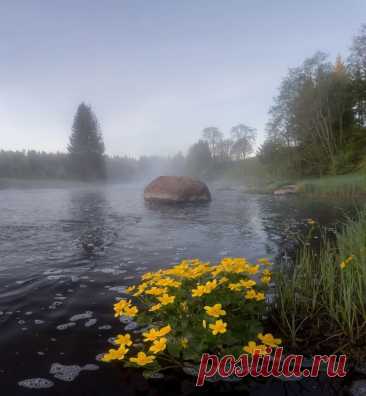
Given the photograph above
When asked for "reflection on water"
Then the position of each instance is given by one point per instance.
(67, 253)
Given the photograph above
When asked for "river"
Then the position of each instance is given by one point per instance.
(66, 252)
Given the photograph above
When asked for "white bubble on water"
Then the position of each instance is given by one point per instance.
(105, 327)
(38, 321)
(90, 322)
(131, 326)
(85, 315)
(65, 326)
(65, 373)
(69, 373)
(118, 289)
(29, 313)
(99, 357)
(36, 383)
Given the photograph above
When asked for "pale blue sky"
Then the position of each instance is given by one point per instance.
(156, 72)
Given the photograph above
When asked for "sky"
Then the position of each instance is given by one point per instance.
(156, 72)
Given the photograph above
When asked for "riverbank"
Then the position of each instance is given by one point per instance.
(342, 186)
(320, 300)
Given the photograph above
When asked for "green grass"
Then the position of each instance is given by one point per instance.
(320, 307)
(342, 185)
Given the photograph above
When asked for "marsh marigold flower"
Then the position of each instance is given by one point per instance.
(252, 348)
(151, 335)
(115, 354)
(158, 345)
(165, 299)
(123, 339)
(218, 327)
(142, 359)
(345, 262)
(269, 340)
(216, 310)
(164, 331)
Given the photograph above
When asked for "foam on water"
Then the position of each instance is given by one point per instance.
(69, 373)
(65, 326)
(90, 322)
(85, 315)
(36, 383)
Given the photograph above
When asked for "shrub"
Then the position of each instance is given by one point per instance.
(193, 308)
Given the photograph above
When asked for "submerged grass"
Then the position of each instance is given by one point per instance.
(342, 185)
(320, 302)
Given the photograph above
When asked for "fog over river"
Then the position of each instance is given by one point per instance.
(67, 253)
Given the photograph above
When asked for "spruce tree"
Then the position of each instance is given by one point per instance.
(86, 147)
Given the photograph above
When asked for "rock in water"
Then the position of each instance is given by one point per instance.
(176, 189)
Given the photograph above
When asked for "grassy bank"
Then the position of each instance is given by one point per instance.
(320, 302)
(342, 185)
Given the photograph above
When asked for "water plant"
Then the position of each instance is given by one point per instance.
(320, 302)
(192, 308)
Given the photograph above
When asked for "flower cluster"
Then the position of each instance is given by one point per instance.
(192, 308)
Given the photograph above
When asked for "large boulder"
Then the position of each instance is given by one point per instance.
(176, 189)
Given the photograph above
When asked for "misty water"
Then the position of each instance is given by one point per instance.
(66, 254)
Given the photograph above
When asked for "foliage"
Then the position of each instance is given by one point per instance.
(199, 159)
(320, 303)
(317, 122)
(192, 308)
(86, 147)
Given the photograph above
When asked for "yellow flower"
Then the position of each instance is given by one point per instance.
(156, 291)
(151, 335)
(250, 294)
(158, 345)
(269, 340)
(311, 221)
(266, 272)
(142, 359)
(216, 310)
(252, 347)
(266, 279)
(235, 286)
(247, 284)
(164, 331)
(140, 289)
(155, 307)
(260, 296)
(218, 327)
(199, 291)
(264, 261)
(184, 342)
(115, 354)
(345, 262)
(130, 289)
(184, 306)
(252, 269)
(165, 299)
(123, 339)
(130, 311)
(119, 307)
(210, 285)
(204, 324)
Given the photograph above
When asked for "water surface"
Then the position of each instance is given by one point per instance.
(66, 253)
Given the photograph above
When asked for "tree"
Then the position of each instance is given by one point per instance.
(357, 66)
(243, 138)
(86, 147)
(199, 159)
(213, 136)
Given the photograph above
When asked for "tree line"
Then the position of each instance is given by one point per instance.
(317, 122)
